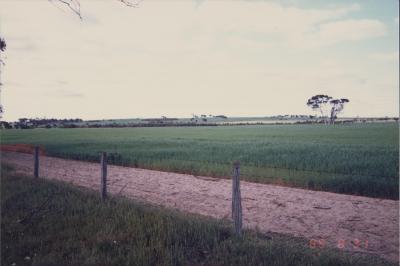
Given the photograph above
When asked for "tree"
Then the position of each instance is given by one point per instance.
(320, 103)
(328, 107)
(75, 6)
(337, 107)
(2, 44)
(2, 49)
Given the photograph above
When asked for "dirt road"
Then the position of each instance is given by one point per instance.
(351, 223)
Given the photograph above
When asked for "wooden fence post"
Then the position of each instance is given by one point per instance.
(236, 199)
(103, 175)
(36, 163)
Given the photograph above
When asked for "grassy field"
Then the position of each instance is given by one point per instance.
(359, 159)
(50, 223)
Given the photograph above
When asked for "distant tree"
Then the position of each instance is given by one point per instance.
(328, 107)
(337, 107)
(4, 124)
(2, 49)
(320, 104)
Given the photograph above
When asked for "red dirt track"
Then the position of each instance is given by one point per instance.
(354, 224)
(24, 148)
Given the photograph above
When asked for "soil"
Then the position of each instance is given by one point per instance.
(25, 148)
(350, 223)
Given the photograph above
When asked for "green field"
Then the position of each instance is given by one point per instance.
(361, 159)
(50, 223)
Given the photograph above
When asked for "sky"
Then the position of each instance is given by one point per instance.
(178, 58)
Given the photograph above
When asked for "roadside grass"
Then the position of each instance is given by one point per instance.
(359, 159)
(51, 223)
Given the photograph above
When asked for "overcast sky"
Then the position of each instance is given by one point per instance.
(175, 58)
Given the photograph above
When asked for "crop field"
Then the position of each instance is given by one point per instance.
(360, 159)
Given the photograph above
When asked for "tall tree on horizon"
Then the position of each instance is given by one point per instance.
(337, 107)
(319, 103)
(328, 107)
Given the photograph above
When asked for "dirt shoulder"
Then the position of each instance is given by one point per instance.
(351, 223)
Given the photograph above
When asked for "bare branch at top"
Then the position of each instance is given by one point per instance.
(131, 3)
(73, 5)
